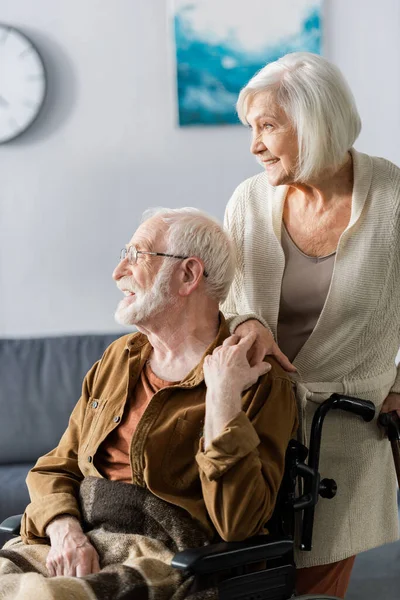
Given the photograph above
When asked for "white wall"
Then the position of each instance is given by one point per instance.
(106, 147)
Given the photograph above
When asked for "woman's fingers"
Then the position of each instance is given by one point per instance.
(283, 360)
(248, 340)
(232, 340)
(256, 353)
(259, 343)
(256, 372)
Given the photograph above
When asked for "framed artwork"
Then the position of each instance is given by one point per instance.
(221, 44)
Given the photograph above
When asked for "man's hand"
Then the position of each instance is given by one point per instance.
(264, 344)
(227, 374)
(71, 552)
(392, 403)
(228, 369)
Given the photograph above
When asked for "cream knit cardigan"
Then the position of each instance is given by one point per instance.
(351, 350)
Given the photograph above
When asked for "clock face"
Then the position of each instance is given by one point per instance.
(22, 83)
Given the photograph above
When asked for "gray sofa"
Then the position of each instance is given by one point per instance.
(40, 383)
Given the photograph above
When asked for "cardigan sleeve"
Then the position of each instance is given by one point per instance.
(235, 307)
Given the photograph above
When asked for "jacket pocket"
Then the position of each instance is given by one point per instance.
(94, 410)
(179, 466)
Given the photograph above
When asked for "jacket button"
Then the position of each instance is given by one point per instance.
(117, 419)
(89, 459)
(95, 404)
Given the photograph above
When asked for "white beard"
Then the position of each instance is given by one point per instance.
(146, 303)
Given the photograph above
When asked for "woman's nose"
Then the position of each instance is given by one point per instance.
(257, 144)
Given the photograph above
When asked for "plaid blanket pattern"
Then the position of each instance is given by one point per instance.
(136, 535)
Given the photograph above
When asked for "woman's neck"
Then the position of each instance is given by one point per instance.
(330, 187)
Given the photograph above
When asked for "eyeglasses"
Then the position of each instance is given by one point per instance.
(132, 253)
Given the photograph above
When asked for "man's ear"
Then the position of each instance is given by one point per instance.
(191, 274)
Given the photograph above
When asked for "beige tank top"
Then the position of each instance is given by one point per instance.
(305, 286)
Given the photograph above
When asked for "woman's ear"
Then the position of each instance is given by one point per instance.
(191, 273)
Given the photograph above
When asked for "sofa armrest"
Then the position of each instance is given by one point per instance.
(228, 555)
(11, 525)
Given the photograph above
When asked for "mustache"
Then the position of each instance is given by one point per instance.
(128, 283)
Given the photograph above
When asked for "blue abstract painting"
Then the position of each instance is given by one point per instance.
(221, 44)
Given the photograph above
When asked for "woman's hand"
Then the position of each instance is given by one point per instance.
(392, 403)
(264, 344)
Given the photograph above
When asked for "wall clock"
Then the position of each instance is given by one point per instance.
(22, 83)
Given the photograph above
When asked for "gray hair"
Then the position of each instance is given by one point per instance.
(317, 100)
(192, 232)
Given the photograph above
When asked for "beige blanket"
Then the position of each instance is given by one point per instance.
(136, 535)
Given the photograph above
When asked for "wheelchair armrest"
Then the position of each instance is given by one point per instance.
(228, 555)
(11, 525)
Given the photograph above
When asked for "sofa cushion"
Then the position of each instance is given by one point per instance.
(40, 383)
(14, 494)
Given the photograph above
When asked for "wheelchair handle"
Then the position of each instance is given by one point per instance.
(363, 408)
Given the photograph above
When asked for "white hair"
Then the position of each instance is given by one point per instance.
(192, 232)
(317, 100)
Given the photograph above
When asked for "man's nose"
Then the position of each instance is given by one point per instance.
(122, 269)
(257, 144)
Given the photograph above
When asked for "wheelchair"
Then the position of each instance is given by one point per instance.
(263, 567)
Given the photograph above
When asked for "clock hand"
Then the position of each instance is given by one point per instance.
(4, 102)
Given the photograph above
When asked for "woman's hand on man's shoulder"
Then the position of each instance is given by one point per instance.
(264, 344)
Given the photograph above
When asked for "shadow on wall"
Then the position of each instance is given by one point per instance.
(61, 89)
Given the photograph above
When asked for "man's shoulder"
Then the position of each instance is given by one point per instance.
(280, 390)
(272, 399)
(277, 372)
(275, 383)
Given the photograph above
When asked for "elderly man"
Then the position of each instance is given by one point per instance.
(175, 441)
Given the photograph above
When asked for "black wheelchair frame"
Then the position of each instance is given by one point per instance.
(262, 567)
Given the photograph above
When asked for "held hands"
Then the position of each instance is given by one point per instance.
(264, 343)
(71, 552)
(227, 368)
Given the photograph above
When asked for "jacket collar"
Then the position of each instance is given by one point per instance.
(138, 343)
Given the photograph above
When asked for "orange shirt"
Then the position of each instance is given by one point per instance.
(113, 455)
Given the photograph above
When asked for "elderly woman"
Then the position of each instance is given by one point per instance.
(318, 242)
